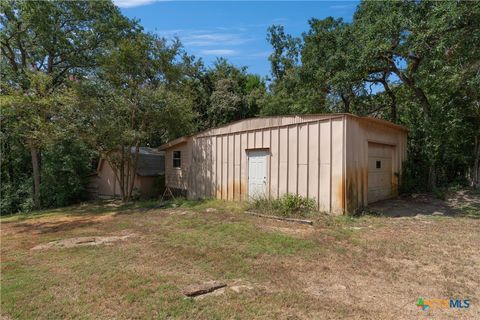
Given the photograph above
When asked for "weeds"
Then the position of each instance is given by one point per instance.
(289, 205)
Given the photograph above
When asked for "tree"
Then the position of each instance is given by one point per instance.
(328, 64)
(286, 50)
(227, 102)
(413, 62)
(228, 93)
(423, 44)
(131, 101)
(290, 92)
(44, 44)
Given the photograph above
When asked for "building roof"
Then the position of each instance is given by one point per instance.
(259, 123)
(173, 143)
(151, 162)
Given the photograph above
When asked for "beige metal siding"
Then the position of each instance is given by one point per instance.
(293, 162)
(106, 184)
(359, 133)
(177, 177)
(324, 157)
(379, 177)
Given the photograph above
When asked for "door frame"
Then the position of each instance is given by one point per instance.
(392, 147)
(267, 169)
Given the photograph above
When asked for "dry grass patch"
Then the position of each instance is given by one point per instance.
(369, 267)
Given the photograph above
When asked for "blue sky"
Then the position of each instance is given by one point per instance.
(235, 30)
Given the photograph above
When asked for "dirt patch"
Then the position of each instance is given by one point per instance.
(427, 204)
(301, 232)
(294, 229)
(53, 224)
(82, 242)
(357, 268)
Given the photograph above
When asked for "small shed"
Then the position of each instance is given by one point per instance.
(150, 167)
(342, 161)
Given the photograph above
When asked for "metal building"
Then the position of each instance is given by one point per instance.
(342, 161)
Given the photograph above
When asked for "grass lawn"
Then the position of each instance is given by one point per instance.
(368, 267)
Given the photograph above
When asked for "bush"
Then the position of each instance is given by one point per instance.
(65, 166)
(288, 205)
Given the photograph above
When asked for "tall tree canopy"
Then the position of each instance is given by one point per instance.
(413, 62)
(44, 45)
(78, 79)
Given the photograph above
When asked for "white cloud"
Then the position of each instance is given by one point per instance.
(169, 33)
(206, 38)
(209, 39)
(133, 3)
(218, 52)
(343, 6)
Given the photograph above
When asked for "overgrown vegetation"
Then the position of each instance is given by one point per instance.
(288, 205)
(81, 73)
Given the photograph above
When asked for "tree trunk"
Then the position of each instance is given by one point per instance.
(346, 103)
(432, 178)
(422, 97)
(134, 169)
(36, 177)
(476, 165)
(122, 174)
(410, 82)
(128, 163)
(393, 100)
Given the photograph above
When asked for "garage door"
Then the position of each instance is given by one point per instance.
(379, 172)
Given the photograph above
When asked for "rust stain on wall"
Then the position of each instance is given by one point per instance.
(340, 193)
(355, 189)
(352, 201)
(239, 188)
(336, 189)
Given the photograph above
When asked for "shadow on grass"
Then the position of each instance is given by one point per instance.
(98, 208)
(458, 203)
(52, 227)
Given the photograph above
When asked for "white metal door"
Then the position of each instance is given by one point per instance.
(257, 173)
(379, 172)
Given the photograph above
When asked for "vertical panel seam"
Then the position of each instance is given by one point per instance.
(278, 163)
(228, 165)
(216, 165)
(221, 168)
(270, 163)
(344, 173)
(308, 158)
(240, 166)
(298, 165)
(330, 189)
(247, 173)
(288, 156)
(210, 168)
(319, 166)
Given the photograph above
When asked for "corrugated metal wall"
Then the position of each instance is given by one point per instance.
(177, 177)
(306, 157)
(360, 133)
(320, 157)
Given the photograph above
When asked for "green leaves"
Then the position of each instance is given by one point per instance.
(411, 62)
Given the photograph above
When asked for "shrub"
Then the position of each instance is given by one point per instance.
(65, 166)
(288, 205)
